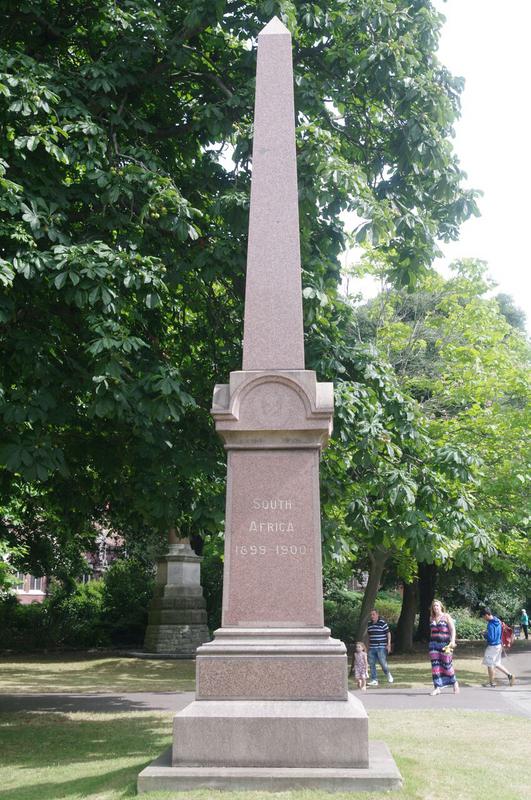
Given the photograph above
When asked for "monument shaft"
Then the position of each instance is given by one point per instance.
(273, 328)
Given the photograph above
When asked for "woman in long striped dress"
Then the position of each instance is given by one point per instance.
(442, 643)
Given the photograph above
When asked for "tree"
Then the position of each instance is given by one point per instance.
(8, 578)
(390, 492)
(455, 351)
(122, 240)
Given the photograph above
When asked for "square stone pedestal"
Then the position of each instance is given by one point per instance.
(273, 745)
(381, 775)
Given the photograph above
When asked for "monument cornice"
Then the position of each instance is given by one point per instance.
(273, 409)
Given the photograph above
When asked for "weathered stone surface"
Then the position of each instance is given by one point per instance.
(273, 328)
(177, 622)
(279, 733)
(272, 664)
(381, 775)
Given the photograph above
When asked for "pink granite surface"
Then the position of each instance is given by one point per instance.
(272, 572)
(270, 733)
(268, 678)
(272, 405)
(273, 327)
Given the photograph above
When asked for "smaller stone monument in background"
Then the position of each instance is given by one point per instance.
(177, 621)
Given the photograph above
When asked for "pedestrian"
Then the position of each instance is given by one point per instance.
(442, 644)
(379, 646)
(493, 651)
(360, 666)
(524, 622)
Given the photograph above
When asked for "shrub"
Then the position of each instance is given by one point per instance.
(24, 628)
(94, 614)
(212, 580)
(467, 625)
(77, 616)
(506, 604)
(342, 613)
(127, 591)
(388, 606)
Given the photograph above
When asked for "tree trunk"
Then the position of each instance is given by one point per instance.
(427, 584)
(378, 560)
(406, 621)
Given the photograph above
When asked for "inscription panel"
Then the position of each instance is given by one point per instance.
(272, 541)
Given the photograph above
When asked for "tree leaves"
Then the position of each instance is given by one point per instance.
(123, 238)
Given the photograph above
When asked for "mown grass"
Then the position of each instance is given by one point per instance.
(415, 670)
(83, 674)
(75, 756)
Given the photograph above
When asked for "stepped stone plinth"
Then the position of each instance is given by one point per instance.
(177, 621)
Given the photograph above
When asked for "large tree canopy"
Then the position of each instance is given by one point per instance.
(462, 356)
(123, 235)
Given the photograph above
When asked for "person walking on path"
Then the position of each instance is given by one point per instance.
(524, 622)
(493, 651)
(379, 646)
(442, 643)
(360, 666)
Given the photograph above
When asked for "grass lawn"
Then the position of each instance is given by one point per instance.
(80, 756)
(82, 673)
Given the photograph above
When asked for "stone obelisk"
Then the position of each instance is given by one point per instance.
(272, 706)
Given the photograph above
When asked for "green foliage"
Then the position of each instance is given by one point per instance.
(25, 628)
(8, 557)
(387, 483)
(212, 580)
(458, 354)
(77, 618)
(505, 593)
(70, 619)
(388, 605)
(100, 613)
(122, 238)
(467, 624)
(342, 611)
(341, 614)
(127, 591)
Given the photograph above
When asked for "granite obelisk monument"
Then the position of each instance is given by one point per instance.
(272, 707)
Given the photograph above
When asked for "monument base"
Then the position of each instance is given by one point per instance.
(381, 775)
(272, 733)
(273, 745)
(272, 664)
(177, 621)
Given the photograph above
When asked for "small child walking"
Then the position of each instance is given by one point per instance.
(361, 666)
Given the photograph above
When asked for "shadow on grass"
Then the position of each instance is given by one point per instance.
(121, 780)
(93, 704)
(39, 740)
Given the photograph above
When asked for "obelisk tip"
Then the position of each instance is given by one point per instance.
(276, 27)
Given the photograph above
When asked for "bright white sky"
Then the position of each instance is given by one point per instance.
(487, 43)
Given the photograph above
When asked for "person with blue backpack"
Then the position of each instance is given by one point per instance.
(493, 651)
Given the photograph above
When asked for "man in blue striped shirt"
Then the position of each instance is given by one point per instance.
(379, 645)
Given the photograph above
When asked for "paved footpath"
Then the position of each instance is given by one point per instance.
(515, 700)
